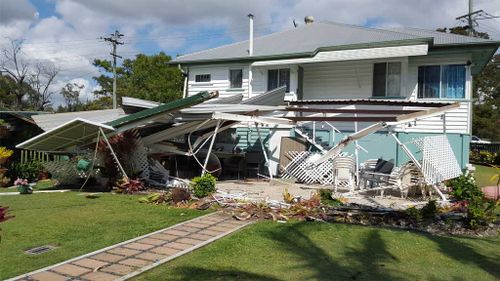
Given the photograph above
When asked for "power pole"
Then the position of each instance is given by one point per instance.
(470, 17)
(114, 39)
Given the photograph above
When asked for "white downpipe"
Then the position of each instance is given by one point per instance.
(250, 78)
(250, 40)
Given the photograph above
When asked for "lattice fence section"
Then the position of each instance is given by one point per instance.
(301, 168)
(438, 160)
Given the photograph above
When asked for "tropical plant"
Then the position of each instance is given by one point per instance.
(203, 186)
(4, 216)
(156, 198)
(129, 186)
(5, 153)
(496, 177)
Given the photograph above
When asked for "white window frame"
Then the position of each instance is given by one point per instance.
(229, 76)
(401, 78)
(441, 98)
(202, 74)
(278, 69)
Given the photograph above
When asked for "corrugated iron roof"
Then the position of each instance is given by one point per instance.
(306, 40)
(162, 109)
(441, 38)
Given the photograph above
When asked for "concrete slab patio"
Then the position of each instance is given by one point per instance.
(130, 258)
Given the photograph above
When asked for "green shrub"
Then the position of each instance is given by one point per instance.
(203, 186)
(28, 170)
(464, 187)
(414, 214)
(483, 157)
(327, 199)
(430, 210)
(479, 210)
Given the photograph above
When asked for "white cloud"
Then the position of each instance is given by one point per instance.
(69, 38)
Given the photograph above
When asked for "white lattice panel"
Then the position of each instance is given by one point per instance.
(302, 170)
(438, 160)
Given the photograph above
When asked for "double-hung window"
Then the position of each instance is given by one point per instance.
(277, 78)
(235, 78)
(387, 79)
(202, 78)
(441, 81)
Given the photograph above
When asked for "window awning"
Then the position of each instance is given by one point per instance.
(355, 54)
(67, 136)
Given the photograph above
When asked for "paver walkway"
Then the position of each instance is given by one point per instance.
(132, 257)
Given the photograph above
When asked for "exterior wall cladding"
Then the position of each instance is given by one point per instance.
(350, 79)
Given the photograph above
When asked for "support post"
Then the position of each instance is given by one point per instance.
(444, 123)
(356, 149)
(210, 148)
(417, 164)
(113, 153)
(264, 151)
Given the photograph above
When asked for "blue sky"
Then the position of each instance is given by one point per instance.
(66, 32)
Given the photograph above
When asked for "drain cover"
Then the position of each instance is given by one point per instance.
(40, 250)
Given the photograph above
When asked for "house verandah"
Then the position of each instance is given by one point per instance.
(316, 84)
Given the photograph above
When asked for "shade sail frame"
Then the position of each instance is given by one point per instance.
(74, 133)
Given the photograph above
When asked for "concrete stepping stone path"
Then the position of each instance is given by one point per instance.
(130, 258)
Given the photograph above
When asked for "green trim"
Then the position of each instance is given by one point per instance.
(161, 109)
(392, 43)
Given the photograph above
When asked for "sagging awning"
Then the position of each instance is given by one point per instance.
(67, 136)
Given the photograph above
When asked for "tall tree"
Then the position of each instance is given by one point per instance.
(27, 83)
(71, 95)
(146, 77)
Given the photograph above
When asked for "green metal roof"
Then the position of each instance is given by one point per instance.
(162, 109)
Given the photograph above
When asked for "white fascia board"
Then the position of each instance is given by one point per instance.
(356, 54)
(246, 118)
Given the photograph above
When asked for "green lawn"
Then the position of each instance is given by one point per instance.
(483, 175)
(76, 225)
(315, 251)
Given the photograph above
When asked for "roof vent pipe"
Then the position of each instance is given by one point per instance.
(309, 19)
(250, 48)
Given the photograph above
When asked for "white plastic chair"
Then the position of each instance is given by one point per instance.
(344, 173)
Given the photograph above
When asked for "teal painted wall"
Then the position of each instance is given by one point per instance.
(378, 145)
(382, 145)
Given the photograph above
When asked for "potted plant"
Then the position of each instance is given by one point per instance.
(23, 186)
(5, 153)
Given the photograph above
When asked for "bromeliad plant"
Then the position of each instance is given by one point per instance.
(129, 186)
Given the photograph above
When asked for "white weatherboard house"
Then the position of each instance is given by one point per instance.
(333, 65)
